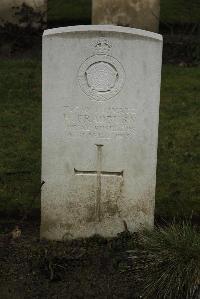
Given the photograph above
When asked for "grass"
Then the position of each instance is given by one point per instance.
(178, 176)
(167, 264)
(20, 130)
(178, 173)
(79, 11)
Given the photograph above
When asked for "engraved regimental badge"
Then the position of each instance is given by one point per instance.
(101, 76)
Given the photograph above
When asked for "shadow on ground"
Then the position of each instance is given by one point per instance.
(92, 268)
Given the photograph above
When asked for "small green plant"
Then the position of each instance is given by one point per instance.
(168, 263)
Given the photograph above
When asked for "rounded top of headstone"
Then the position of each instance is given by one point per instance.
(103, 28)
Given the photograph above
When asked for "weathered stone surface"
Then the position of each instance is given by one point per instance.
(142, 14)
(101, 91)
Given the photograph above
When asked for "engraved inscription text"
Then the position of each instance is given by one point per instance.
(108, 123)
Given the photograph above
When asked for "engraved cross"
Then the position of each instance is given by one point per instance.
(99, 173)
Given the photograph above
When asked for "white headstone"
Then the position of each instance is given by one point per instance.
(101, 92)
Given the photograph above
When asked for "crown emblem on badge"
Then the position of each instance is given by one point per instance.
(102, 46)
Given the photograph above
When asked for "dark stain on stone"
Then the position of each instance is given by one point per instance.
(110, 208)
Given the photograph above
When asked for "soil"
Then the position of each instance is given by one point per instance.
(92, 268)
